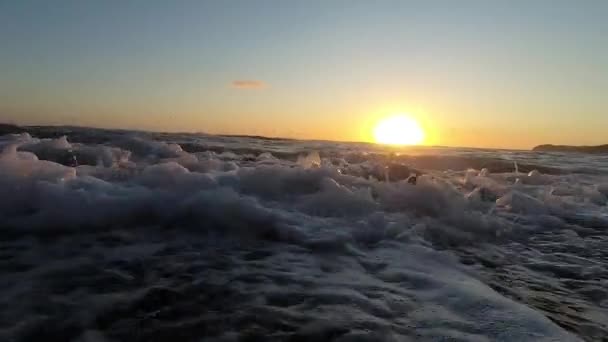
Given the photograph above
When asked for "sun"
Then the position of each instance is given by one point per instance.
(398, 130)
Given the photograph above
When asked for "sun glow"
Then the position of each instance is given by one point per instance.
(398, 130)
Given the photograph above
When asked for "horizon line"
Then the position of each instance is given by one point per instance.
(257, 136)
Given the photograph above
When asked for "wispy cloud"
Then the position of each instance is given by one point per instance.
(248, 84)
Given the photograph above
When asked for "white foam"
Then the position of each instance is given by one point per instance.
(344, 205)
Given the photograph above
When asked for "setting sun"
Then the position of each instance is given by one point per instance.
(398, 130)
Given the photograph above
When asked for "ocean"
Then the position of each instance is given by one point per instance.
(112, 235)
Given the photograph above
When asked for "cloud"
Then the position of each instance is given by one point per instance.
(248, 84)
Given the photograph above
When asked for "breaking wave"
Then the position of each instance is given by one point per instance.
(134, 236)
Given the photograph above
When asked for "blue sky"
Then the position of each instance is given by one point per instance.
(476, 73)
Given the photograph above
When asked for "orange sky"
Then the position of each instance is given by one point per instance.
(479, 74)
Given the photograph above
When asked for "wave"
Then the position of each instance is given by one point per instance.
(135, 237)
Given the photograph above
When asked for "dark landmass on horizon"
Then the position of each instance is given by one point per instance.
(9, 129)
(599, 149)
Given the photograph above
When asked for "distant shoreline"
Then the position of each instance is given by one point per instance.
(598, 149)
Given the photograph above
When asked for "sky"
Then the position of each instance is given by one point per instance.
(508, 74)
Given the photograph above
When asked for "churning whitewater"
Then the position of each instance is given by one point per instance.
(132, 236)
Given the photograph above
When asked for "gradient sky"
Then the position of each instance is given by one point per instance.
(474, 73)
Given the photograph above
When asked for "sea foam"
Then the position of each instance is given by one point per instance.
(136, 238)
